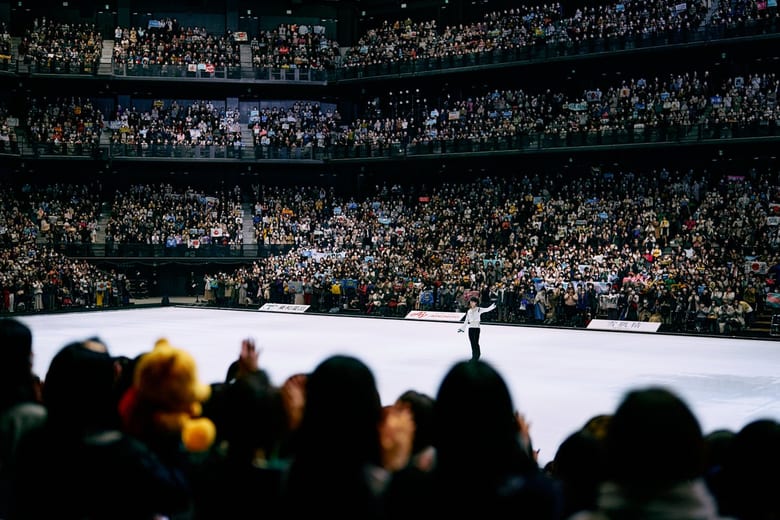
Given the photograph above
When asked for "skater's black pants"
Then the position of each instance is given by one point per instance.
(474, 340)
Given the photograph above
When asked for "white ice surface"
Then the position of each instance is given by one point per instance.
(558, 378)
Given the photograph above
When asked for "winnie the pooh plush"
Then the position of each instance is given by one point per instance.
(165, 399)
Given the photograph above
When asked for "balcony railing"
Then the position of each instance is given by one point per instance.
(173, 151)
(65, 149)
(131, 69)
(535, 141)
(61, 66)
(523, 142)
(532, 141)
(182, 251)
(195, 71)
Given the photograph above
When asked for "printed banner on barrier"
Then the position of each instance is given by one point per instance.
(624, 326)
(284, 307)
(435, 316)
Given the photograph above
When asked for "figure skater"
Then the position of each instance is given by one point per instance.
(472, 323)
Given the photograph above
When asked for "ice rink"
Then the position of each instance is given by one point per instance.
(559, 378)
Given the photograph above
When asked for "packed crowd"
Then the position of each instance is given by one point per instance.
(167, 124)
(64, 125)
(178, 219)
(8, 139)
(36, 278)
(52, 45)
(676, 107)
(744, 103)
(700, 254)
(524, 26)
(6, 44)
(291, 45)
(669, 246)
(297, 125)
(34, 221)
(740, 17)
(170, 44)
(55, 213)
(323, 443)
(77, 48)
(646, 109)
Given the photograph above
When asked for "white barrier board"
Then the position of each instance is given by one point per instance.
(284, 307)
(435, 316)
(624, 326)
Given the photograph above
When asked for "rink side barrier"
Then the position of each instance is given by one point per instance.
(284, 307)
(435, 316)
(624, 326)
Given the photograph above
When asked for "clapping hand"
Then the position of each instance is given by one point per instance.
(248, 358)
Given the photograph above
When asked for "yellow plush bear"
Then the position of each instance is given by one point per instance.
(166, 398)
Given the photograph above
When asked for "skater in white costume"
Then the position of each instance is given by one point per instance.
(472, 323)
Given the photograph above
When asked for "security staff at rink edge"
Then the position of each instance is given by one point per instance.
(472, 323)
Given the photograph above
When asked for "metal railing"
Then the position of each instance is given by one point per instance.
(174, 151)
(182, 251)
(132, 69)
(68, 149)
(523, 142)
(60, 66)
(537, 141)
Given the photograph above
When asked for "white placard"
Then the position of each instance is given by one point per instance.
(284, 307)
(624, 326)
(435, 316)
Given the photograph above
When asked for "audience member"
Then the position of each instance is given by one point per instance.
(21, 409)
(79, 464)
(322, 442)
(421, 407)
(246, 461)
(336, 468)
(749, 486)
(579, 468)
(484, 462)
(717, 445)
(654, 461)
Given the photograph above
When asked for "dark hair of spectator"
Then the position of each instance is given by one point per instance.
(654, 440)
(16, 377)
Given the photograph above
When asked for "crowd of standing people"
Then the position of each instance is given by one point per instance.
(323, 443)
(701, 254)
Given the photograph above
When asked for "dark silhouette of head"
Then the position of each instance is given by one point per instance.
(421, 406)
(253, 417)
(16, 376)
(579, 466)
(654, 440)
(475, 423)
(79, 388)
(750, 477)
(343, 410)
(337, 443)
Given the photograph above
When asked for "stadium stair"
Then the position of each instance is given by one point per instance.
(247, 139)
(762, 322)
(105, 68)
(248, 227)
(245, 51)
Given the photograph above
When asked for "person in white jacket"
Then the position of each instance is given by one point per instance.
(472, 323)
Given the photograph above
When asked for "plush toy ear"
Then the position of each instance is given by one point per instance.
(198, 434)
